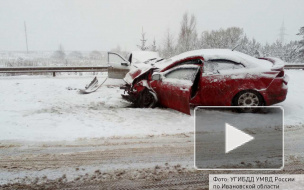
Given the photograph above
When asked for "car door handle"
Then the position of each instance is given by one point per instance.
(184, 89)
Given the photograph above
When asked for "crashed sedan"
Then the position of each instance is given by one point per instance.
(207, 77)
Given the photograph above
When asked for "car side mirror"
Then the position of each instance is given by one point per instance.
(156, 77)
(125, 64)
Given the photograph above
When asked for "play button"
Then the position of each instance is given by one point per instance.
(227, 139)
(235, 138)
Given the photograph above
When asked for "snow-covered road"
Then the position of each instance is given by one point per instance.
(43, 108)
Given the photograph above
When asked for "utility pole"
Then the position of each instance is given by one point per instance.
(143, 41)
(282, 33)
(25, 37)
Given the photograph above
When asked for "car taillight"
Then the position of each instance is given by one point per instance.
(281, 74)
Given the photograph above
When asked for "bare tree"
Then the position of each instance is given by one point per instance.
(291, 52)
(143, 40)
(301, 44)
(222, 38)
(168, 49)
(250, 47)
(188, 36)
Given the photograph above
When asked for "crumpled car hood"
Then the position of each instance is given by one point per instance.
(137, 71)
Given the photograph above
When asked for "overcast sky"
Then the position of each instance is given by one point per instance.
(102, 25)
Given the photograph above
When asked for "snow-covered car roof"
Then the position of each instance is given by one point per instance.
(211, 54)
(253, 65)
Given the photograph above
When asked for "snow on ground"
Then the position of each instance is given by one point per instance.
(44, 108)
(41, 108)
(294, 104)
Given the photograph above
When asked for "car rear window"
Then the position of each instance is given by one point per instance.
(216, 65)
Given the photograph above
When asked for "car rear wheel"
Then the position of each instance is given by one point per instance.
(248, 98)
(147, 99)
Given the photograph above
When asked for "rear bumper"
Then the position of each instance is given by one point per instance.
(276, 92)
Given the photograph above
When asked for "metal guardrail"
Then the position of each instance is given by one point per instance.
(294, 66)
(80, 69)
(53, 69)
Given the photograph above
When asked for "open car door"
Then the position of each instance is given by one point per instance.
(118, 66)
(174, 88)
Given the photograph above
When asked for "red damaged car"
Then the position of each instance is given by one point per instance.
(207, 77)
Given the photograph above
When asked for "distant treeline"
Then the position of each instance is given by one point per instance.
(188, 39)
(56, 58)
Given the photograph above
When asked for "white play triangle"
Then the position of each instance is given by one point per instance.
(235, 138)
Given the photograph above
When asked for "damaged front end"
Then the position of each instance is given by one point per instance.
(137, 89)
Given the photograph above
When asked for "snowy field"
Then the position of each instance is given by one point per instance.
(43, 108)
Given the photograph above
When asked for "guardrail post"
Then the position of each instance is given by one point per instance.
(54, 74)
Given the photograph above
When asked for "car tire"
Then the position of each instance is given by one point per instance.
(147, 99)
(248, 98)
